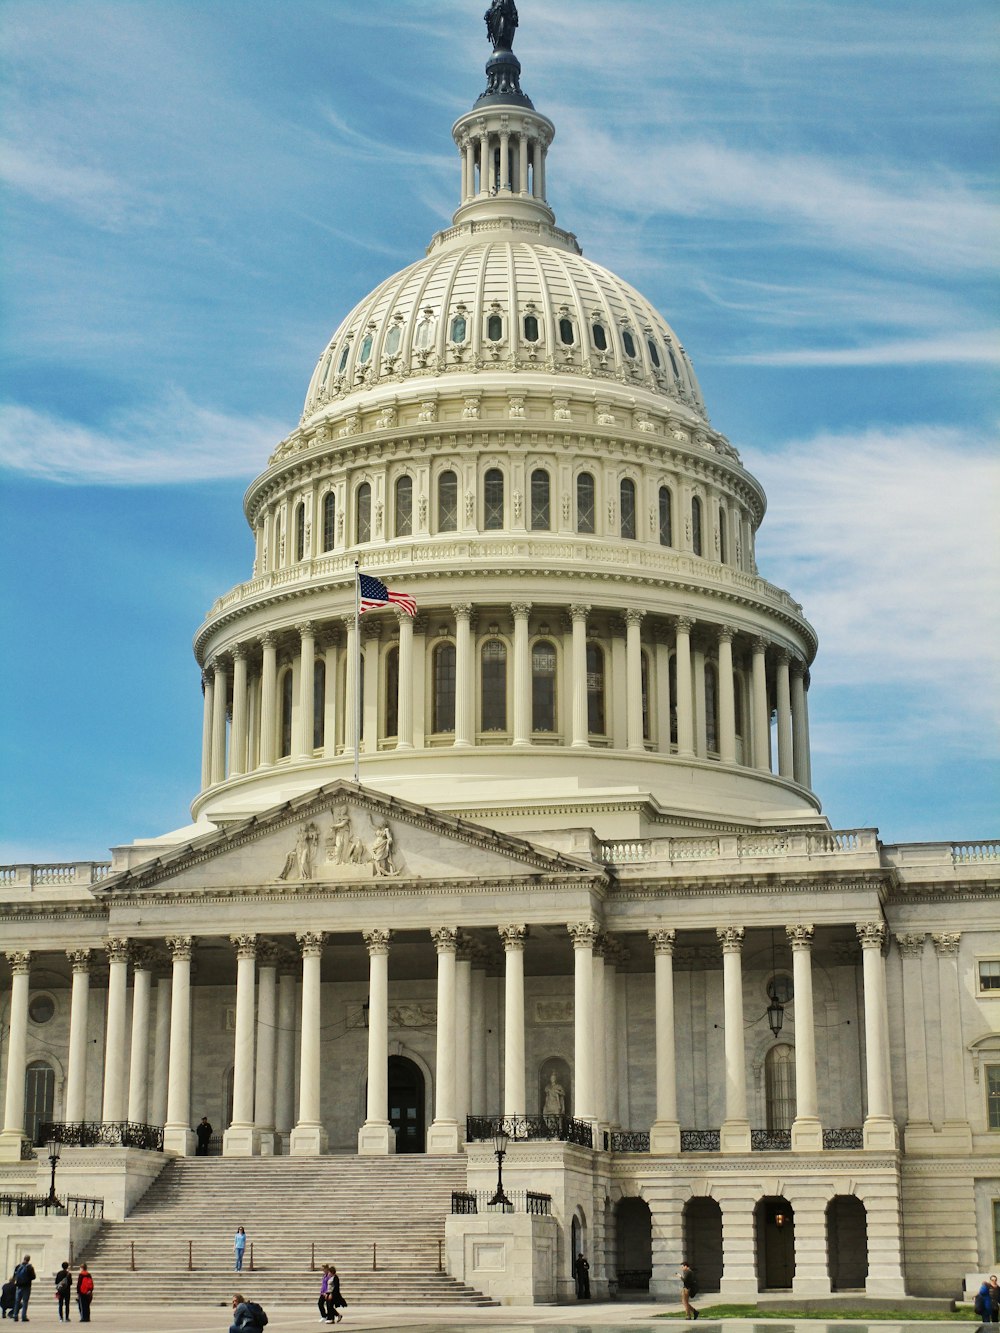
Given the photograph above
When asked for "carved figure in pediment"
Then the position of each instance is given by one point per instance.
(382, 852)
(342, 847)
(299, 861)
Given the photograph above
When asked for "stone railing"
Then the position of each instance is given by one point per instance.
(974, 853)
(741, 846)
(71, 874)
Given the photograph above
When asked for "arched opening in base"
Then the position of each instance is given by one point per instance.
(703, 1241)
(406, 1104)
(774, 1227)
(635, 1244)
(847, 1242)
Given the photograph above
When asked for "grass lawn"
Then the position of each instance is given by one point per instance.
(828, 1316)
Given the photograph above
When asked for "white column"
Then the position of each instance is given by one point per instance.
(633, 678)
(800, 731)
(613, 955)
(17, 1054)
(761, 723)
(178, 1136)
(956, 1131)
(238, 734)
(404, 707)
(138, 1074)
(463, 1033)
(372, 634)
(785, 763)
(879, 1127)
(581, 731)
(161, 1052)
(523, 150)
(219, 702)
(267, 1022)
(352, 683)
(685, 695)
(284, 1100)
(807, 1132)
(727, 697)
(442, 1137)
(115, 1041)
(600, 1055)
(331, 650)
(584, 935)
(513, 937)
(735, 1135)
(309, 1137)
(376, 1137)
(268, 698)
(76, 1072)
(505, 161)
(522, 674)
(239, 1140)
(662, 693)
(208, 708)
(918, 1118)
(307, 689)
(665, 1134)
(463, 674)
(477, 1088)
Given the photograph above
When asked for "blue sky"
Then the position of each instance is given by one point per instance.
(195, 193)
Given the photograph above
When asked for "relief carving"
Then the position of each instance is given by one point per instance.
(345, 854)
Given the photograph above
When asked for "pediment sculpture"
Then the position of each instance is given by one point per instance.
(340, 852)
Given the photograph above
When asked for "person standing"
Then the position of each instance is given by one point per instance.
(335, 1301)
(689, 1289)
(64, 1285)
(324, 1292)
(582, 1274)
(8, 1296)
(24, 1275)
(84, 1293)
(239, 1245)
(994, 1299)
(203, 1133)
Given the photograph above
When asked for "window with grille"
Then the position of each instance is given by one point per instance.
(329, 521)
(644, 667)
(404, 506)
(494, 328)
(600, 337)
(696, 525)
(531, 328)
(711, 707)
(493, 500)
(364, 356)
(364, 512)
(543, 687)
(989, 977)
(285, 748)
(595, 689)
(459, 328)
(627, 504)
(319, 704)
(392, 692)
(585, 506)
(494, 685)
(447, 502)
(993, 1096)
(666, 517)
(723, 540)
(566, 333)
(540, 515)
(779, 1086)
(392, 340)
(444, 688)
(300, 531)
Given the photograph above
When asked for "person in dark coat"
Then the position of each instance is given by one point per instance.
(581, 1271)
(84, 1293)
(64, 1285)
(204, 1136)
(24, 1275)
(689, 1288)
(7, 1296)
(335, 1301)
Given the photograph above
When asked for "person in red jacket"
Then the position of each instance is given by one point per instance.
(84, 1293)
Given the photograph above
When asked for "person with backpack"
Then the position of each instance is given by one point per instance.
(84, 1293)
(24, 1275)
(248, 1316)
(689, 1289)
(64, 1285)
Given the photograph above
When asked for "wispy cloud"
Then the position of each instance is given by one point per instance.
(173, 440)
(92, 194)
(971, 349)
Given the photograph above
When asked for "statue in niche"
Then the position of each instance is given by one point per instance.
(501, 24)
(382, 852)
(342, 847)
(299, 861)
(554, 1104)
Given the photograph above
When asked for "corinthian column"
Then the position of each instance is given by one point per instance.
(268, 697)
(581, 729)
(208, 710)
(513, 1060)
(735, 1136)
(918, 1117)
(219, 723)
(685, 695)
(807, 1132)
(786, 766)
(309, 1138)
(307, 689)
(584, 935)
(463, 674)
(727, 697)
(522, 674)
(404, 707)
(761, 714)
(76, 1073)
(178, 1136)
(114, 1046)
(238, 729)
(267, 1022)
(17, 1052)
(879, 1126)
(633, 679)
(955, 1130)
(375, 1137)
(239, 1139)
(138, 1074)
(665, 1134)
(442, 1137)
(800, 726)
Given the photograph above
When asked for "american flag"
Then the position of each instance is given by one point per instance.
(374, 593)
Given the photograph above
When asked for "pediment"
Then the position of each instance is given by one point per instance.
(345, 836)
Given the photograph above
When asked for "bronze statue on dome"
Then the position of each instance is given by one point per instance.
(501, 23)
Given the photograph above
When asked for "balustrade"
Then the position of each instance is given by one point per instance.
(107, 1134)
(525, 1128)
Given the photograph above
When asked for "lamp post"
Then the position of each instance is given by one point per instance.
(53, 1145)
(500, 1140)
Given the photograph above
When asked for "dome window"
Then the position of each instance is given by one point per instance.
(567, 334)
(392, 340)
(600, 337)
(543, 687)
(595, 690)
(300, 531)
(319, 704)
(493, 500)
(365, 355)
(585, 503)
(494, 328)
(673, 362)
(390, 703)
(404, 506)
(285, 720)
(723, 540)
(531, 328)
(627, 502)
(666, 518)
(364, 513)
(342, 363)
(459, 329)
(696, 544)
(628, 342)
(447, 489)
(425, 331)
(654, 354)
(493, 669)
(444, 688)
(540, 508)
(329, 520)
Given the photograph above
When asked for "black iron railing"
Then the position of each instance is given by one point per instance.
(770, 1140)
(101, 1134)
(626, 1140)
(32, 1205)
(525, 1128)
(701, 1140)
(518, 1201)
(850, 1137)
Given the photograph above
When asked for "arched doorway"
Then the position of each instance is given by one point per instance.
(406, 1104)
(703, 1241)
(39, 1096)
(847, 1242)
(774, 1225)
(635, 1245)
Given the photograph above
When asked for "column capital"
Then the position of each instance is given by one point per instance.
(268, 639)
(269, 954)
(376, 941)
(684, 624)
(219, 666)
(372, 628)
(118, 950)
(466, 948)
(801, 937)
(19, 959)
(871, 934)
(760, 645)
(245, 945)
(311, 942)
(615, 953)
(798, 667)
(238, 652)
(181, 947)
(462, 610)
(306, 629)
(726, 633)
(80, 959)
(143, 958)
(520, 610)
(445, 939)
(946, 944)
(910, 946)
(584, 934)
(579, 611)
(350, 621)
(633, 616)
(663, 941)
(513, 936)
(784, 657)
(731, 938)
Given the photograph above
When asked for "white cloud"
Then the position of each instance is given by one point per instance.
(889, 538)
(174, 440)
(970, 348)
(96, 196)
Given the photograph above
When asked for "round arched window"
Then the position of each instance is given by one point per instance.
(41, 1008)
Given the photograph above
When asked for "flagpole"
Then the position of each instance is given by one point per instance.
(357, 670)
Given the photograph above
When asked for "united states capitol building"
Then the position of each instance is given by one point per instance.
(584, 883)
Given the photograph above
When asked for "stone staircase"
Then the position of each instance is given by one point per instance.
(378, 1219)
